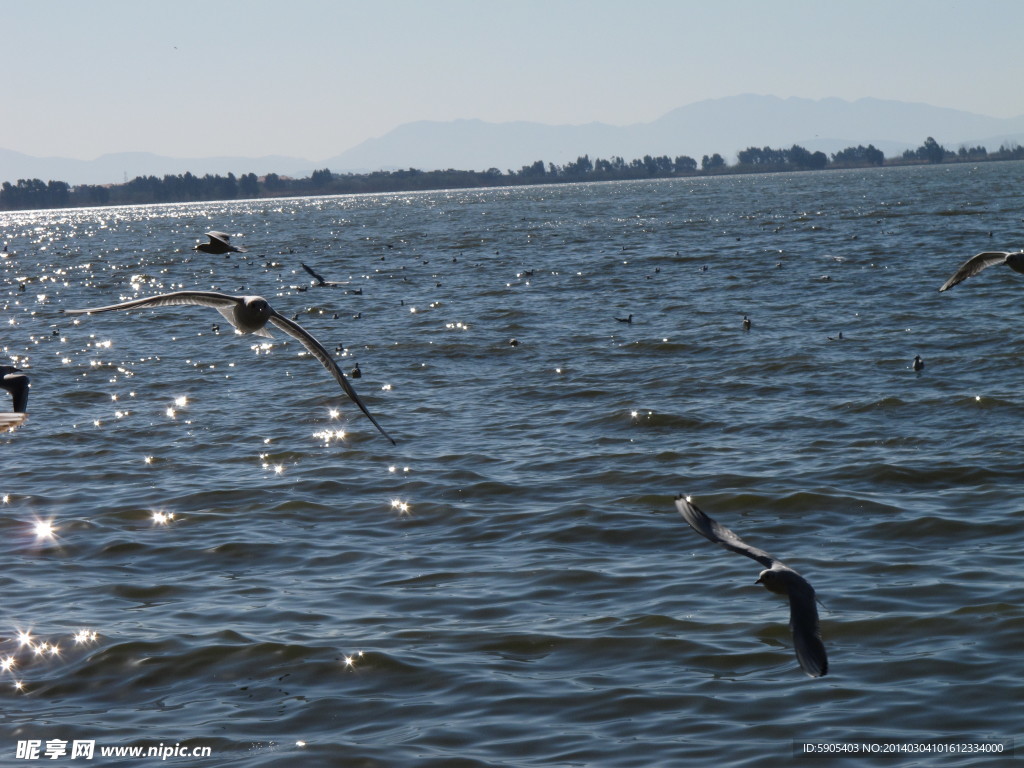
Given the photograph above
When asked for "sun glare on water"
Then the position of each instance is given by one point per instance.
(44, 530)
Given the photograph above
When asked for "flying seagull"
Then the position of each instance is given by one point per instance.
(778, 578)
(16, 383)
(220, 242)
(1013, 259)
(320, 280)
(248, 314)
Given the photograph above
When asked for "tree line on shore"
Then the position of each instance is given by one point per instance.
(35, 194)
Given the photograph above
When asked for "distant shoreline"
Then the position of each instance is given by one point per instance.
(35, 194)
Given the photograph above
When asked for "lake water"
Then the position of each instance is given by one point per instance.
(239, 561)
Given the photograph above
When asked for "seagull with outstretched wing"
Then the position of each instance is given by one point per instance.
(1013, 259)
(778, 578)
(248, 314)
(220, 242)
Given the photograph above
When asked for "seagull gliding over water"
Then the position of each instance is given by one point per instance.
(778, 578)
(248, 314)
(220, 242)
(1013, 259)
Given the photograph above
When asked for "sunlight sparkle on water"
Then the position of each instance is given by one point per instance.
(85, 636)
(162, 518)
(44, 529)
(329, 434)
(350, 661)
(181, 402)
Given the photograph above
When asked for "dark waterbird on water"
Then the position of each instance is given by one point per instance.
(778, 578)
(1013, 259)
(625, 319)
(16, 382)
(220, 242)
(248, 314)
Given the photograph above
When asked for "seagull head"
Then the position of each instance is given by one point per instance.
(251, 314)
(774, 581)
(258, 305)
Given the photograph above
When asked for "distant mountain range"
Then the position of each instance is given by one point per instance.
(723, 125)
(122, 166)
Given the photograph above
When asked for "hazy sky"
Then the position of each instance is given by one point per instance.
(312, 78)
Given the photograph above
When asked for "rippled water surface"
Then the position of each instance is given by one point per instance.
(239, 560)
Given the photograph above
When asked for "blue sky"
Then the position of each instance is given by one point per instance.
(312, 78)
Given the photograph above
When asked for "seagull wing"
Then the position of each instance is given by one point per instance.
(224, 239)
(222, 302)
(316, 349)
(803, 620)
(219, 301)
(11, 421)
(973, 266)
(320, 279)
(316, 275)
(16, 382)
(718, 533)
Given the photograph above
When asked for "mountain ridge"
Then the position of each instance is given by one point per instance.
(724, 126)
